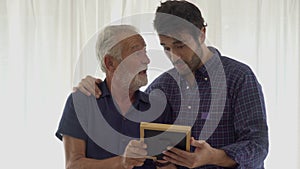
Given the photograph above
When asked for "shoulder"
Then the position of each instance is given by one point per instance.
(237, 73)
(232, 66)
(74, 101)
(239, 76)
(242, 82)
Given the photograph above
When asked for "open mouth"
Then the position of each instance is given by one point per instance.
(143, 72)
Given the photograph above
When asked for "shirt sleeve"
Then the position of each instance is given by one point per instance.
(69, 123)
(251, 130)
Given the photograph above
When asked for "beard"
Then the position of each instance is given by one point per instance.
(187, 68)
(138, 81)
(191, 66)
(132, 82)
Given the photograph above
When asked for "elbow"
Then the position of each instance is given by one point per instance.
(69, 165)
(74, 163)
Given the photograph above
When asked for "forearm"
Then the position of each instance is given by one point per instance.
(88, 163)
(248, 154)
(220, 158)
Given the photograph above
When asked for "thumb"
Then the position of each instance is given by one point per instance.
(74, 89)
(197, 143)
(98, 81)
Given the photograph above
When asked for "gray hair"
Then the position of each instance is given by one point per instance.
(108, 42)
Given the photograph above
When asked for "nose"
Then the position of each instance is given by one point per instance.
(173, 56)
(145, 58)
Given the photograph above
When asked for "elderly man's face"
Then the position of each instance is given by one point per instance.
(134, 61)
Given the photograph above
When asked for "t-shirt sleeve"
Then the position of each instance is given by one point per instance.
(69, 123)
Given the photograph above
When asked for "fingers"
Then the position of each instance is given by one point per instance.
(85, 87)
(197, 143)
(89, 86)
(178, 152)
(134, 154)
(188, 159)
(97, 90)
(137, 143)
(173, 158)
(98, 81)
(75, 89)
(135, 149)
(83, 90)
(131, 162)
(179, 157)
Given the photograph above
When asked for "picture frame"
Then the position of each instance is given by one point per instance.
(160, 136)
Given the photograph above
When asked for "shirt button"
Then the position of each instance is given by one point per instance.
(205, 78)
(189, 107)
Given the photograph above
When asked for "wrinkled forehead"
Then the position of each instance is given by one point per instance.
(133, 41)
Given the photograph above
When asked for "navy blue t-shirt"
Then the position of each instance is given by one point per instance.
(99, 123)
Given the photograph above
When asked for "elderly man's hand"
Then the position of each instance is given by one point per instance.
(134, 154)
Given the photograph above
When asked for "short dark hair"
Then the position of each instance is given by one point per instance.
(166, 23)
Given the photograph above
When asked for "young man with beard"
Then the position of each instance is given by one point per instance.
(227, 111)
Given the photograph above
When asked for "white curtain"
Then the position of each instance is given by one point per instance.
(41, 42)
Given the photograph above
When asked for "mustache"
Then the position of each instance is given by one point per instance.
(179, 61)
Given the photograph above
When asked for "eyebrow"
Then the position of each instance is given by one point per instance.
(177, 42)
(174, 43)
(137, 46)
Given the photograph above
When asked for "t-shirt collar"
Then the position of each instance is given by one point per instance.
(139, 96)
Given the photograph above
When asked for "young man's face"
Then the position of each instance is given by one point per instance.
(183, 51)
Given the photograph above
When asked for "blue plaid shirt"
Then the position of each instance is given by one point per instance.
(236, 124)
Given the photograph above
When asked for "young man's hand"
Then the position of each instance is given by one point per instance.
(204, 154)
(88, 86)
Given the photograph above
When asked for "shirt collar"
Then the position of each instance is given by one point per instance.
(212, 62)
(139, 96)
(104, 89)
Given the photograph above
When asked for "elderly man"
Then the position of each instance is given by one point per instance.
(103, 133)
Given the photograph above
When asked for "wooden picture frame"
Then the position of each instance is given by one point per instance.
(160, 136)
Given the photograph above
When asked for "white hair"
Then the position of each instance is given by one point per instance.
(108, 42)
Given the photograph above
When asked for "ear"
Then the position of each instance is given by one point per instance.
(202, 35)
(109, 62)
